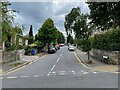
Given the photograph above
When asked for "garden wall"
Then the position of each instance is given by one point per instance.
(0, 56)
(9, 56)
(114, 56)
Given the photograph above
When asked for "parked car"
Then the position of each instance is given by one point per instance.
(52, 50)
(57, 47)
(71, 48)
(61, 45)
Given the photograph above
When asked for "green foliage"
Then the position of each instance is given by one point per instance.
(10, 32)
(84, 44)
(109, 40)
(70, 18)
(48, 32)
(105, 14)
(39, 44)
(61, 38)
(20, 47)
(13, 47)
(70, 39)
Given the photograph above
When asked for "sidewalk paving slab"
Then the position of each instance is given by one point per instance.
(96, 65)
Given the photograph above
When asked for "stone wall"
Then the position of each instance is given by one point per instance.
(0, 56)
(9, 56)
(114, 56)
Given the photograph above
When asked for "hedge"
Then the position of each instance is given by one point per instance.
(108, 40)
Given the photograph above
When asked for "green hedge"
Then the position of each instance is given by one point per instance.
(109, 40)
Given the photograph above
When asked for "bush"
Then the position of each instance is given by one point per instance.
(20, 47)
(84, 44)
(13, 47)
(28, 50)
(36, 46)
(109, 40)
(39, 44)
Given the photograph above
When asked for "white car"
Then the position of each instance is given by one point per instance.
(71, 48)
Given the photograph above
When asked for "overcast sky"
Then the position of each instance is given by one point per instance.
(35, 13)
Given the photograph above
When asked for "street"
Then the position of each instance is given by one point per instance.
(59, 70)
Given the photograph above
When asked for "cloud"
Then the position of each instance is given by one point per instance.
(35, 13)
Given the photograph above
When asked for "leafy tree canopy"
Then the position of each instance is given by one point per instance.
(48, 32)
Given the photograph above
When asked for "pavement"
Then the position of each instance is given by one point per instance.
(96, 65)
(60, 70)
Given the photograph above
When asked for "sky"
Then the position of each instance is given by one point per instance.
(35, 13)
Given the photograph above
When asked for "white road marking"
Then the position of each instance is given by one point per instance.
(53, 72)
(12, 77)
(36, 75)
(58, 59)
(85, 72)
(25, 76)
(62, 74)
(73, 71)
(48, 74)
(61, 71)
(52, 68)
(60, 55)
(81, 70)
(94, 72)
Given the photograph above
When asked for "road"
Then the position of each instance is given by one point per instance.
(59, 70)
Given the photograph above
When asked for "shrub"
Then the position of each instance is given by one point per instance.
(109, 40)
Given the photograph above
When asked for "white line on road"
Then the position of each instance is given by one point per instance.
(85, 72)
(52, 68)
(53, 72)
(60, 55)
(58, 59)
(36, 75)
(94, 72)
(12, 77)
(73, 71)
(25, 76)
(48, 74)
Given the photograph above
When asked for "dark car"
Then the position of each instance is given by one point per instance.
(52, 50)
(57, 47)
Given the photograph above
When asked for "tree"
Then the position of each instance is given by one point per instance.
(7, 23)
(48, 32)
(30, 41)
(70, 39)
(61, 38)
(79, 25)
(70, 18)
(105, 14)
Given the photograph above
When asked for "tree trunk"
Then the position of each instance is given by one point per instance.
(88, 56)
(48, 47)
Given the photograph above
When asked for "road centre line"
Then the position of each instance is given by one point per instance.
(53, 67)
(58, 59)
(60, 55)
